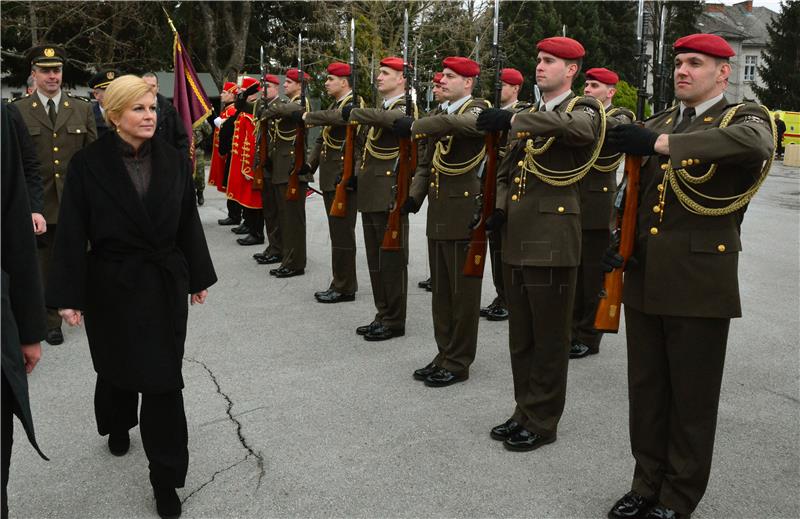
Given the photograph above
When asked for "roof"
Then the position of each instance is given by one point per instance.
(166, 84)
(736, 23)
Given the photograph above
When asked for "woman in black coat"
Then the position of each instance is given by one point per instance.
(129, 197)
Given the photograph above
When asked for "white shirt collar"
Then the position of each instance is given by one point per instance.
(443, 106)
(453, 107)
(551, 104)
(702, 107)
(43, 98)
(510, 105)
(388, 102)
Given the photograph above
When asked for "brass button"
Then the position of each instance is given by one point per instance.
(66, 103)
(561, 209)
(517, 180)
(55, 148)
(664, 166)
(683, 163)
(58, 175)
(34, 104)
(55, 161)
(78, 130)
(690, 162)
(654, 230)
(466, 193)
(55, 135)
(388, 173)
(697, 161)
(433, 170)
(721, 247)
(433, 184)
(514, 198)
(519, 164)
(660, 187)
(656, 209)
(605, 190)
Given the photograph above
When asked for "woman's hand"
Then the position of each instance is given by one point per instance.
(72, 317)
(199, 297)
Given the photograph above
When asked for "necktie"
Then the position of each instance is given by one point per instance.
(688, 116)
(51, 111)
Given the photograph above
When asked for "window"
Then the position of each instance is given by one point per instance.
(750, 63)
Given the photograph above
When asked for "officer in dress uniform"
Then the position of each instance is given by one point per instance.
(377, 176)
(265, 136)
(59, 124)
(597, 189)
(218, 175)
(98, 84)
(456, 151)
(291, 213)
(538, 209)
(702, 161)
(328, 154)
(511, 80)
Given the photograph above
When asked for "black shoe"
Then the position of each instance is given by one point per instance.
(335, 297)
(119, 443)
(486, 309)
(497, 313)
(423, 373)
(662, 512)
(425, 284)
(363, 330)
(229, 221)
(504, 430)
(443, 378)
(523, 440)
(167, 503)
(630, 506)
(54, 336)
(200, 199)
(269, 260)
(241, 229)
(383, 333)
(579, 350)
(260, 255)
(250, 240)
(283, 272)
(323, 292)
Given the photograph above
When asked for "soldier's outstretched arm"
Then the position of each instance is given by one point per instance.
(280, 109)
(577, 128)
(324, 118)
(458, 124)
(377, 116)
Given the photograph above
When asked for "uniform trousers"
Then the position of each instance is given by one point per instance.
(594, 243)
(163, 428)
(343, 243)
(292, 218)
(254, 220)
(269, 194)
(234, 210)
(455, 305)
(45, 243)
(540, 303)
(388, 270)
(675, 369)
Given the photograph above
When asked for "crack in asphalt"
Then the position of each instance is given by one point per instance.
(242, 440)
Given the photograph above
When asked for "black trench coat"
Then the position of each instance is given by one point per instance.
(145, 257)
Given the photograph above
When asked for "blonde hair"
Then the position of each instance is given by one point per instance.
(121, 94)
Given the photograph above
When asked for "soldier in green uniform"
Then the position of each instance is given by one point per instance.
(703, 160)
(328, 155)
(597, 190)
(291, 214)
(98, 84)
(554, 144)
(456, 151)
(59, 124)
(202, 134)
(388, 270)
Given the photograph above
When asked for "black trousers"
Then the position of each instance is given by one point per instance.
(162, 424)
(234, 210)
(254, 220)
(7, 439)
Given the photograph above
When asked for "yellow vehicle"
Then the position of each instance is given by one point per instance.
(792, 120)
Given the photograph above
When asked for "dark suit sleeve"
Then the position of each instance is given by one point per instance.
(225, 138)
(191, 239)
(30, 161)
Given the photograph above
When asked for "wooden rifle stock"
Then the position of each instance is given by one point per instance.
(476, 255)
(339, 205)
(406, 163)
(258, 171)
(293, 188)
(610, 304)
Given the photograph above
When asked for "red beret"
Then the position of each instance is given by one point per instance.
(603, 75)
(561, 47)
(462, 66)
(393, 62)
(229, 87)
(270, 78)
(248, 81)
(511, 76)
(294, 75)
(709, 44)
(437, 78)
(339, 69)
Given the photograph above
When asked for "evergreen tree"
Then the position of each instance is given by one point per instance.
(781, 68)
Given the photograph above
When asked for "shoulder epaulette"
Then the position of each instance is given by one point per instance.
(662, 112)
(81, 98)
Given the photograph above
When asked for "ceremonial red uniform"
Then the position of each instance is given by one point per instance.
(217, 173)
(240, 175)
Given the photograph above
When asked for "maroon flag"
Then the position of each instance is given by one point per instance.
(189, 97)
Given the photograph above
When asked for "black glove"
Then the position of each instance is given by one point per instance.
(352, 183)
(346, 109)
(305, 170)
(241, 104)
(631, 139)
(496, 220)
(409, 206)
(494, 120)
(402, 127)
(297, 117)
(611, 260)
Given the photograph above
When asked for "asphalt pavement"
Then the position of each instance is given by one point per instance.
(292, 415)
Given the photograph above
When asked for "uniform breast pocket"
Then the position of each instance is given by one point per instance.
(78, 131)
(35, 131)
(559, 206)
(719, 242)
(599, 183)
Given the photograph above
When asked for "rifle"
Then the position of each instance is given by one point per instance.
(406, 160)
(476, 255)
(339, 205)
(261, 146)
(293, 187)
(610, 305)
